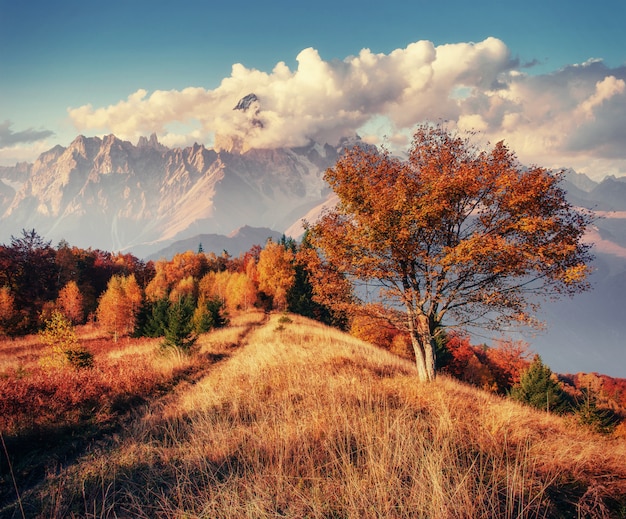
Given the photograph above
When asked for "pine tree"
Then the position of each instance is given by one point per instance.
(152, 320)
(538, 388)
(208, 315)
(179, 333)
(590, 414)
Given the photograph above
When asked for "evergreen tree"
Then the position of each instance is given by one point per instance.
(179, 333)
(301, 297)
(538, 388)
(152, 319)
(590, 414)
(208, 315)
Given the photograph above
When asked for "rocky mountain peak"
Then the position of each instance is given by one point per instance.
(152, 142)
(245, 102)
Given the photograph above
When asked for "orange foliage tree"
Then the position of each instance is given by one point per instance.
(119, 305)
(276, 272)
(186, 287)
(507, 360)
(70, 302)
(175, 275)
(214, 285)
(454, 235)
(241, 292)
(7, 308)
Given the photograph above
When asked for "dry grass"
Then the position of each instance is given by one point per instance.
(304, 421)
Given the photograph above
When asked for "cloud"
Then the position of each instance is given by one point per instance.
(320, 99)
(9, 138)
(575, 116)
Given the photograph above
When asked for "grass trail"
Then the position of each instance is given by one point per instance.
(299, 420)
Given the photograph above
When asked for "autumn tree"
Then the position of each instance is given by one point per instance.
(455, 235)
(70, 302)
(186, 287)
(7, 309)
(28, 267)
(241, 292)
(276, 272)
(158, 287)
(60, 336)
(507, 360)
(119, 305)
(214, 285)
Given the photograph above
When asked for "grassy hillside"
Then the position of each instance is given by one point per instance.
(288, 418)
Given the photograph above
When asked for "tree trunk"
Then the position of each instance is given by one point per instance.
(423, 346)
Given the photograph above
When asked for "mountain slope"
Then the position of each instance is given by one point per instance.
(300, 420)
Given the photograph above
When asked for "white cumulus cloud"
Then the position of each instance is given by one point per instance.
(572, 117)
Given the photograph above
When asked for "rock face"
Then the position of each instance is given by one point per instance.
(110, 194)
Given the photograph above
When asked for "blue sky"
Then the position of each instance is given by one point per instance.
(548, 77)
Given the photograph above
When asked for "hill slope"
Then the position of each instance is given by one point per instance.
(303, 421)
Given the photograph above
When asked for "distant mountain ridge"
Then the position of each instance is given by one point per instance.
(234, 244)
(110, 194)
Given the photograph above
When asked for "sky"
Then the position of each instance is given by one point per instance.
(547, 77)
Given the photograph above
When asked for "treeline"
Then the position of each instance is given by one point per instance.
(194, 292)
(36, 277)
(127, 296)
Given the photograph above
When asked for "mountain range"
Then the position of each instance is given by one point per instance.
(154, 201)
(110, 194)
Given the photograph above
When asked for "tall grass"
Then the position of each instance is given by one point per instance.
(304, 421)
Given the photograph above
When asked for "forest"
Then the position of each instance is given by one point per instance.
(49, 291)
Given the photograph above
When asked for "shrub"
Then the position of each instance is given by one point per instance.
(60, 335)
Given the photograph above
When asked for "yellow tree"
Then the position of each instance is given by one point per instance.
(454, 235)
(158, 287)
(7, 308)
(70, 302)
(60, 336)
(186, 287)
(119, 305)
(133, 295)
(276, 272)
(241, 292)
(214, 286)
